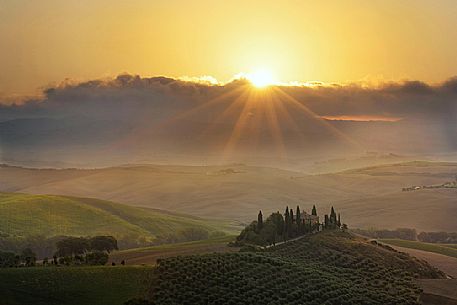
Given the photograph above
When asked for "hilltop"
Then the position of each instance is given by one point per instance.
(370, 196)
(25, 215)
(330, 267)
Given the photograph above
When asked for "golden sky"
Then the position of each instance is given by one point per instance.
(44, 42)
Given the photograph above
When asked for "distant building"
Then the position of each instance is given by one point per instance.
(310, 219)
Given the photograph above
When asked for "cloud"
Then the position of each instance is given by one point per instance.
(167, 113)
(406, 99)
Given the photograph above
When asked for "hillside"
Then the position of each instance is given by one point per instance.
(367, 197)
(325, 268)
(150, 255)
(26, 215)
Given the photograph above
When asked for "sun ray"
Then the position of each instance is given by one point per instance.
(239, 100)
(339, 134)
(238, 127)
(274, 126)
(141, 132)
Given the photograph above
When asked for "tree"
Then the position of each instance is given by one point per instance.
(8, 259)
(28, 257)
(326, 221)
(314, 211)
(339, 220)
(269, 232)
(259, 221)
(291, 224)
(96, 258)
(332, 217)
(286, 223)
(279, 222)
(298, 220)
(71, 246)
(103, 243)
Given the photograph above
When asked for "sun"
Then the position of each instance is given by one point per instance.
(261, 78)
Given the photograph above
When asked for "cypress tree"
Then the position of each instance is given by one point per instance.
(298, 218)
(339, 220)
(259, 221)
(286, 222)
(314, 211)
(291, 223)
(333, 216)
(326, 221)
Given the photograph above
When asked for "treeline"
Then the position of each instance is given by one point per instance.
(82, 250)
(278, 227)
(410, 234)
(27, 258)
(46, 246)
(438, 237)
(401, 233)
(70, 251)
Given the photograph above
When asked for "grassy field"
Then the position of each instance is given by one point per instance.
(49, 215)
(149, 255)
(448, 250)
(73, 285)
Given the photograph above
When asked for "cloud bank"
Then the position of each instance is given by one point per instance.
(409, 99)
(176, 114)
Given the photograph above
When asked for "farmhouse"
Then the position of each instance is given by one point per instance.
(310, 219)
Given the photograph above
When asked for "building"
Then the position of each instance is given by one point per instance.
(310, 219)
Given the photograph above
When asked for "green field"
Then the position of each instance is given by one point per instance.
(448, 250)
(48, 215)
(149, 255)
(73, 285)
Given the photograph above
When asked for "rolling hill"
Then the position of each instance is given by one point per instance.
(25, 215)
(366, 197)
(326, 268)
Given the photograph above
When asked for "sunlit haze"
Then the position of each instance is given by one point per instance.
(46, 42)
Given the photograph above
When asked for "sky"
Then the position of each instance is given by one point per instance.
(45, 42)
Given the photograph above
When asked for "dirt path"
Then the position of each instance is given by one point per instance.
(288, 241)
(445, 263)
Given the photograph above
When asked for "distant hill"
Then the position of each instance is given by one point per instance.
(325, 268)
(367, 197)
(26, 215)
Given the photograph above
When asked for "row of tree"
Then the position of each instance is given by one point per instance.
(411, 234)
(333, 221)
(26, 258)
(70, 250)
(401, 233)
(84, 250)
(438, 237)
(278, 227)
